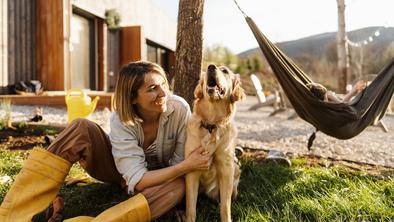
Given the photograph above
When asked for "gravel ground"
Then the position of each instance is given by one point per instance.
(257, 130)
(56, 116)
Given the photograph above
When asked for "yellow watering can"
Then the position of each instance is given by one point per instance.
(79, 104)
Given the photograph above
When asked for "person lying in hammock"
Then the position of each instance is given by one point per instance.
(322, 93)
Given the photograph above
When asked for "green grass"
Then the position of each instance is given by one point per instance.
(266, 193)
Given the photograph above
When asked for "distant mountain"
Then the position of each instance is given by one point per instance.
(317, 44)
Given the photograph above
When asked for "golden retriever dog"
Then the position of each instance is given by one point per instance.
(211, 127)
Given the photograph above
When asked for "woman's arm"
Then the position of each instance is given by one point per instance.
(130, 161)
(331, 97)
(182, 117)
(129, 157)
(197, 160)
(358, 87)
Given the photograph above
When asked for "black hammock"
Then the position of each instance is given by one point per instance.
(339, 120)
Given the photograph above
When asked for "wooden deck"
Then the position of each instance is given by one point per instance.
(57, 99)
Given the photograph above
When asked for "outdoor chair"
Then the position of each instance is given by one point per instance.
(271, 100)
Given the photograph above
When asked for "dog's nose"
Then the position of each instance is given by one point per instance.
(211, 67)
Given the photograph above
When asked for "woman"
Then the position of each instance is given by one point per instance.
(322, 93)
(143, 153)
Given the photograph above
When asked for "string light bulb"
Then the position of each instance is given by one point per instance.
(370, 38)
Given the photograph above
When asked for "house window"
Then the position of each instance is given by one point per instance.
(158, 54)
(152, 53)
(83, 61)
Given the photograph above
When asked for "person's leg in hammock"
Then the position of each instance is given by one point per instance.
(322, 93)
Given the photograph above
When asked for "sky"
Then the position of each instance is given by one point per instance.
(281, 20)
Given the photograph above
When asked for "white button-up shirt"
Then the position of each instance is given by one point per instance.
(127, 141)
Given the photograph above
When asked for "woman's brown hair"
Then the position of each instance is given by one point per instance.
(317, 90)
(131, 78)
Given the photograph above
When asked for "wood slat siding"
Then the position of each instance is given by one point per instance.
(113, 58)
(130, 44)
(11, 43)
(30, 40)
(50, 44)
(21, 40)
(3, 46)
(102, 54)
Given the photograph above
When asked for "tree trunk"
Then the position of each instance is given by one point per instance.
(189, 45)
(342, 48)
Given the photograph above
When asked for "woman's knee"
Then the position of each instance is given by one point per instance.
(172, 191)
(85, 127)
(179, 188)
(82, 123)
(74, 139)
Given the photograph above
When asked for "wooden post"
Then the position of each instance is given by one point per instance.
(342, 48)
(188, 54)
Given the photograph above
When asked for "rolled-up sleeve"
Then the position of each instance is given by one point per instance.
(178, 155)
(129, 157)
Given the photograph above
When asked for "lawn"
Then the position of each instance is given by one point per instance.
(307, 191)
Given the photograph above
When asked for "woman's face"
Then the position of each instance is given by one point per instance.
(152, 95)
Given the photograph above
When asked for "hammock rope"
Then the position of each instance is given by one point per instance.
(240, 9)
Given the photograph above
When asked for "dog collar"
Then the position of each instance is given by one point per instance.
(209, 127)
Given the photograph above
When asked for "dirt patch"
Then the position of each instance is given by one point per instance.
(27, 136)
(22, 142)
(319, 161)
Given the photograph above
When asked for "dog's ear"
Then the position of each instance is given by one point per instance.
(237, 93)
(198, 91)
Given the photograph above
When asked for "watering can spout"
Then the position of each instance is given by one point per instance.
(79, 105)
(89, 108)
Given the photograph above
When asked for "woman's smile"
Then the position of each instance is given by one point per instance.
(161, 102)
(152, 96)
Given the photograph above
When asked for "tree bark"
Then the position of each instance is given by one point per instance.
(342, 48)
(189, 47)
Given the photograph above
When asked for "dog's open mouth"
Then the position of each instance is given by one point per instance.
(213, 88)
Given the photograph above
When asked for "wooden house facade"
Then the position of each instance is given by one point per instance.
(68, 44)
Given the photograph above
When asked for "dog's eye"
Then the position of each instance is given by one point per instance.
(224, 70)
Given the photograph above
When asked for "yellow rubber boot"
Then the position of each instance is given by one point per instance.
(135, 209)
(34, 187)
(80, 219)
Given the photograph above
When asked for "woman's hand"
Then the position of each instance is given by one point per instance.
(360, 86)
(199, 159)
(331, 97)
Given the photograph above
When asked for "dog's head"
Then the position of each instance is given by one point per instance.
(219, 83)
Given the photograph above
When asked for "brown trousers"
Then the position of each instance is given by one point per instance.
(86, 142)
